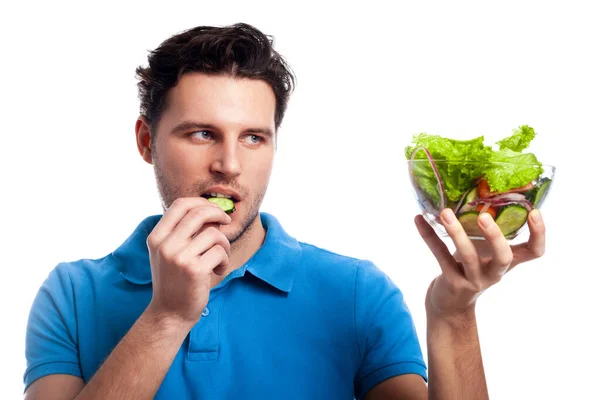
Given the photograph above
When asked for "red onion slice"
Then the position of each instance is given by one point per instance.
(515, 197)
(460, 202)
(499, 203)
(436, 173)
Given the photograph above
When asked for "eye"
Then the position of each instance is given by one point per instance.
(253, 139)
(202, 135)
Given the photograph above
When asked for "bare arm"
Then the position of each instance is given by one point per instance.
(454, 356)
(55, 387)
(454, 352)
(401, 387)
(134, 370)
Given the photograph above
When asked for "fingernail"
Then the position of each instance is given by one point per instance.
(536, 217)
(449, 218)
(486, 220)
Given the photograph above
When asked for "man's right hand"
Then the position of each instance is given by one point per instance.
(186, 247)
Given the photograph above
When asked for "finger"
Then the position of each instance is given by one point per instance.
(209, 236)
(440, 251)
(535, 247)
(464, 246)
(501, 252)
(194, 220)
(214, 260)
(178, 209)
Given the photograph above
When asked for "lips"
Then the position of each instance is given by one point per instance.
(221, 192)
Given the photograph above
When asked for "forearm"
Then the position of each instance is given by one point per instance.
(455, 363)
(138, 364)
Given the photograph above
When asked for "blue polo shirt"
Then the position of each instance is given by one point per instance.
(294, 322)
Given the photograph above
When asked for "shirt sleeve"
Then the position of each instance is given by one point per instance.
(387, 339)
(51, 339)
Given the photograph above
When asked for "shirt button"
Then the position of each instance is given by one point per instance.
(205, 312)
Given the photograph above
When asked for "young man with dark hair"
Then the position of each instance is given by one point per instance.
(199, 303)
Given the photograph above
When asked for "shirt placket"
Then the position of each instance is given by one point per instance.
(204, 337)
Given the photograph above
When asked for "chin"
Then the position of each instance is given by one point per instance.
(233, 235)
(241, 224)
(232, 230)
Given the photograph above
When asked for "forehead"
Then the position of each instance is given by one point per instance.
(220, 100)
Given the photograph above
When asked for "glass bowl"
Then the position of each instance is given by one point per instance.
(468, 194)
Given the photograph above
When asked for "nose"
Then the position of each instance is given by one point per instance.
(226, 159)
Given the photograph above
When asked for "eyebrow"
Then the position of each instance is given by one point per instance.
(189, 125)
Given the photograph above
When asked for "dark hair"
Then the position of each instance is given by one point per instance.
(238, 50)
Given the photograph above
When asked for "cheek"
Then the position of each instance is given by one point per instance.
(259, 171)
(183, 165)
(264, 169)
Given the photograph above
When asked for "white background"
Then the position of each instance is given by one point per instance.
(73, 185)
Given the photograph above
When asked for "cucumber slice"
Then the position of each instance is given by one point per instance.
(511, 218)
(541, 193)
(469, 222)
(226, 204)
(471, 196)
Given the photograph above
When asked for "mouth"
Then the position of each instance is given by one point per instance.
(221, 194)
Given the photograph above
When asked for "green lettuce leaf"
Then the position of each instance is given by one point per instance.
(519, 140)
(458, 162)
(510, 169)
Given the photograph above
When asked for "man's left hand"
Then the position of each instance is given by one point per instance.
(477, 264)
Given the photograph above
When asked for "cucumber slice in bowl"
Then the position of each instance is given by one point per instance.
(471, 195)
(511, 218)
(541, 193)
(226, 204)
(469, 222)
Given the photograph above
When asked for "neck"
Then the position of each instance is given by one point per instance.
(243, 248)
(247, 244)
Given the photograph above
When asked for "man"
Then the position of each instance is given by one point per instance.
(201, 304)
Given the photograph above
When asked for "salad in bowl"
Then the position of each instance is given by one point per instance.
(471, 177)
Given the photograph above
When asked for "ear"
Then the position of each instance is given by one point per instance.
(142, 134)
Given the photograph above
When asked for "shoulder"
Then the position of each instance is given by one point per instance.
(320, 258)
(66, 287)
(369, 286)
(69, 275)
(322, 255)
(339, 268)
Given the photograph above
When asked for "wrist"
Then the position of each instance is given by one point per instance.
(458, 321)
(167, 322)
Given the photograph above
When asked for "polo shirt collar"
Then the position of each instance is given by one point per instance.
(274, 262)
(132, 255)
(277, 259)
